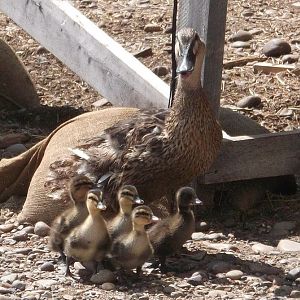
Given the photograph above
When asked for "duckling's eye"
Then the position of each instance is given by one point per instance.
(127, 194)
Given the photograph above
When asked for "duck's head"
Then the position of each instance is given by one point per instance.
(128, 196)
(189, 51)
(142, 215)
(94, 201)
(79, 187)
(186, 197)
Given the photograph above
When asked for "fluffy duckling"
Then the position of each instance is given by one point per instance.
(168, 235)
(90, 240)
(122, 223)
(72, 217)
(131, 250)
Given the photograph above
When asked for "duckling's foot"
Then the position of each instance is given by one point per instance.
(163, 267)
(62, 257)
(68, 272)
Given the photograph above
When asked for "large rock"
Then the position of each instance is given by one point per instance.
(276, 47)
(288, 246)
(16, 88)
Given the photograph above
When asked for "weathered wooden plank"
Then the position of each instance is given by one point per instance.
(268, 68)
(88, 51)
(208, 17)
(256, 157)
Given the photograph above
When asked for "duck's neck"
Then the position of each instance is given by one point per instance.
(125, 209)
(138, 228)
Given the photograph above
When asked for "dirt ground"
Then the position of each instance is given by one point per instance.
(64, 95)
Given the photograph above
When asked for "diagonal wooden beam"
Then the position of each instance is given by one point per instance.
(88, 51)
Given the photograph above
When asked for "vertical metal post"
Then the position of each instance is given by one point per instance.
(208, 17)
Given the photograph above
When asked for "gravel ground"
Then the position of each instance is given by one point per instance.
(260, 260)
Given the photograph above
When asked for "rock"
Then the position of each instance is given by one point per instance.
(285, 112)
(255, 31)
(168, 30)
(293, 274)
(177, 294)
(100, 103)
(47, 267)
(295, 294)
(198, 236)
(10, 278)
(19, 285)
(201, 226)
(152, 28)
(288, 246)
(20, 236)
(220, 267)
(234, 274)
(24, 251)
(168, 289)
(240, 44)
(261, 248)
(29, 229)
(143, 53)
(41, 50)
(296, 5)
(7, 227)
(249, 101)
(247, 13)
(195, 279)
(218, 246)
(161, 71)
(45, 283)
(16, 149)
(41, 229)
(256, 267)
(217, 294)
(5, 291)
(276, 47)
(290, 58)
(103, 276)
(282, 228)
(241, 35)
(108, 286)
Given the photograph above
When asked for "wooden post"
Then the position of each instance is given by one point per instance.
(208, 17)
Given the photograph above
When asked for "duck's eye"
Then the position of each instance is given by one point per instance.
(127, 194)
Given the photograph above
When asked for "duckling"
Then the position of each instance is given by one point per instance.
(157, 151)
(168, 235)
(132, 249)
(90, 240)
(122, 223)
(72, 217)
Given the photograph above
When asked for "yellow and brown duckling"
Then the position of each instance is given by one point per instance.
(90, 241)
(72, 217)
(122, 223)
(132, 249)
(168, 235)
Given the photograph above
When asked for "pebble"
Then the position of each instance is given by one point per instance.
(108, 286)
(293, 274)
(198, 236)
(261, 248)
(201, 226)
(195, 279)
(24, 251)
(282, 228)
(29, 229)
(220, 267)
(161, 71)
(234, 274)
(255, 31)
(45, 283)
(47, 266)
(168, 289)
(247, 13)
(263, 268)
(295, 294)
(143, 53)
(41, 50)
(19, 285)
(177, 294)
(290, 58)
(7, 227)
(100, 103)
(288, 246)
(10, 278)
(276, 47)
(285, 112)
(249, 102)
(152, 28)
(20, 236)
(241, 35)
(216, 294)
(5, 290)
(41, 229)
(239, 44)
(218, 246)
(103, 276)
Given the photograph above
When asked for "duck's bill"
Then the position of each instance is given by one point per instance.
(198, 201)
(186, 62)
(101, 205)
(138, 200)
(155, 219)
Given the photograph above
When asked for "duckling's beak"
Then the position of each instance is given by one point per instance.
(198, 201)
(186, 62)
(154, 219)
(101, 205)
(138, 200)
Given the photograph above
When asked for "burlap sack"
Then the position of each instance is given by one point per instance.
(33, 166)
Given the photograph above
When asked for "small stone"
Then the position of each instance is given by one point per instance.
(295, 294)
(282, 228)
(239, 44)
(198, 236)
(296, 5)
(220, 267)
(216, 294)
(24, 251)
(218, 246)
(108, 286)
(276, 47)
(144, 297)
(10, 278)
(168, 30)
(261, 248)
(161, 71)
(247, 13)
(100, 103)
(29, 229)
(45, 283)
(7, 227)
(19, 285)
(293, 274)
(168, 289)
(195, 279)
(177, 294)
(241, 35)
(5, 290)
(16, 149)
(143, 53)
(152, 28)
(288, 246)
(103, 276)
(47, 267)
(255, 31)
(41, 229)
(290, 58)
(20, 236)
(41, 50)
(234, 274)
(201, 226)
(249, 102)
